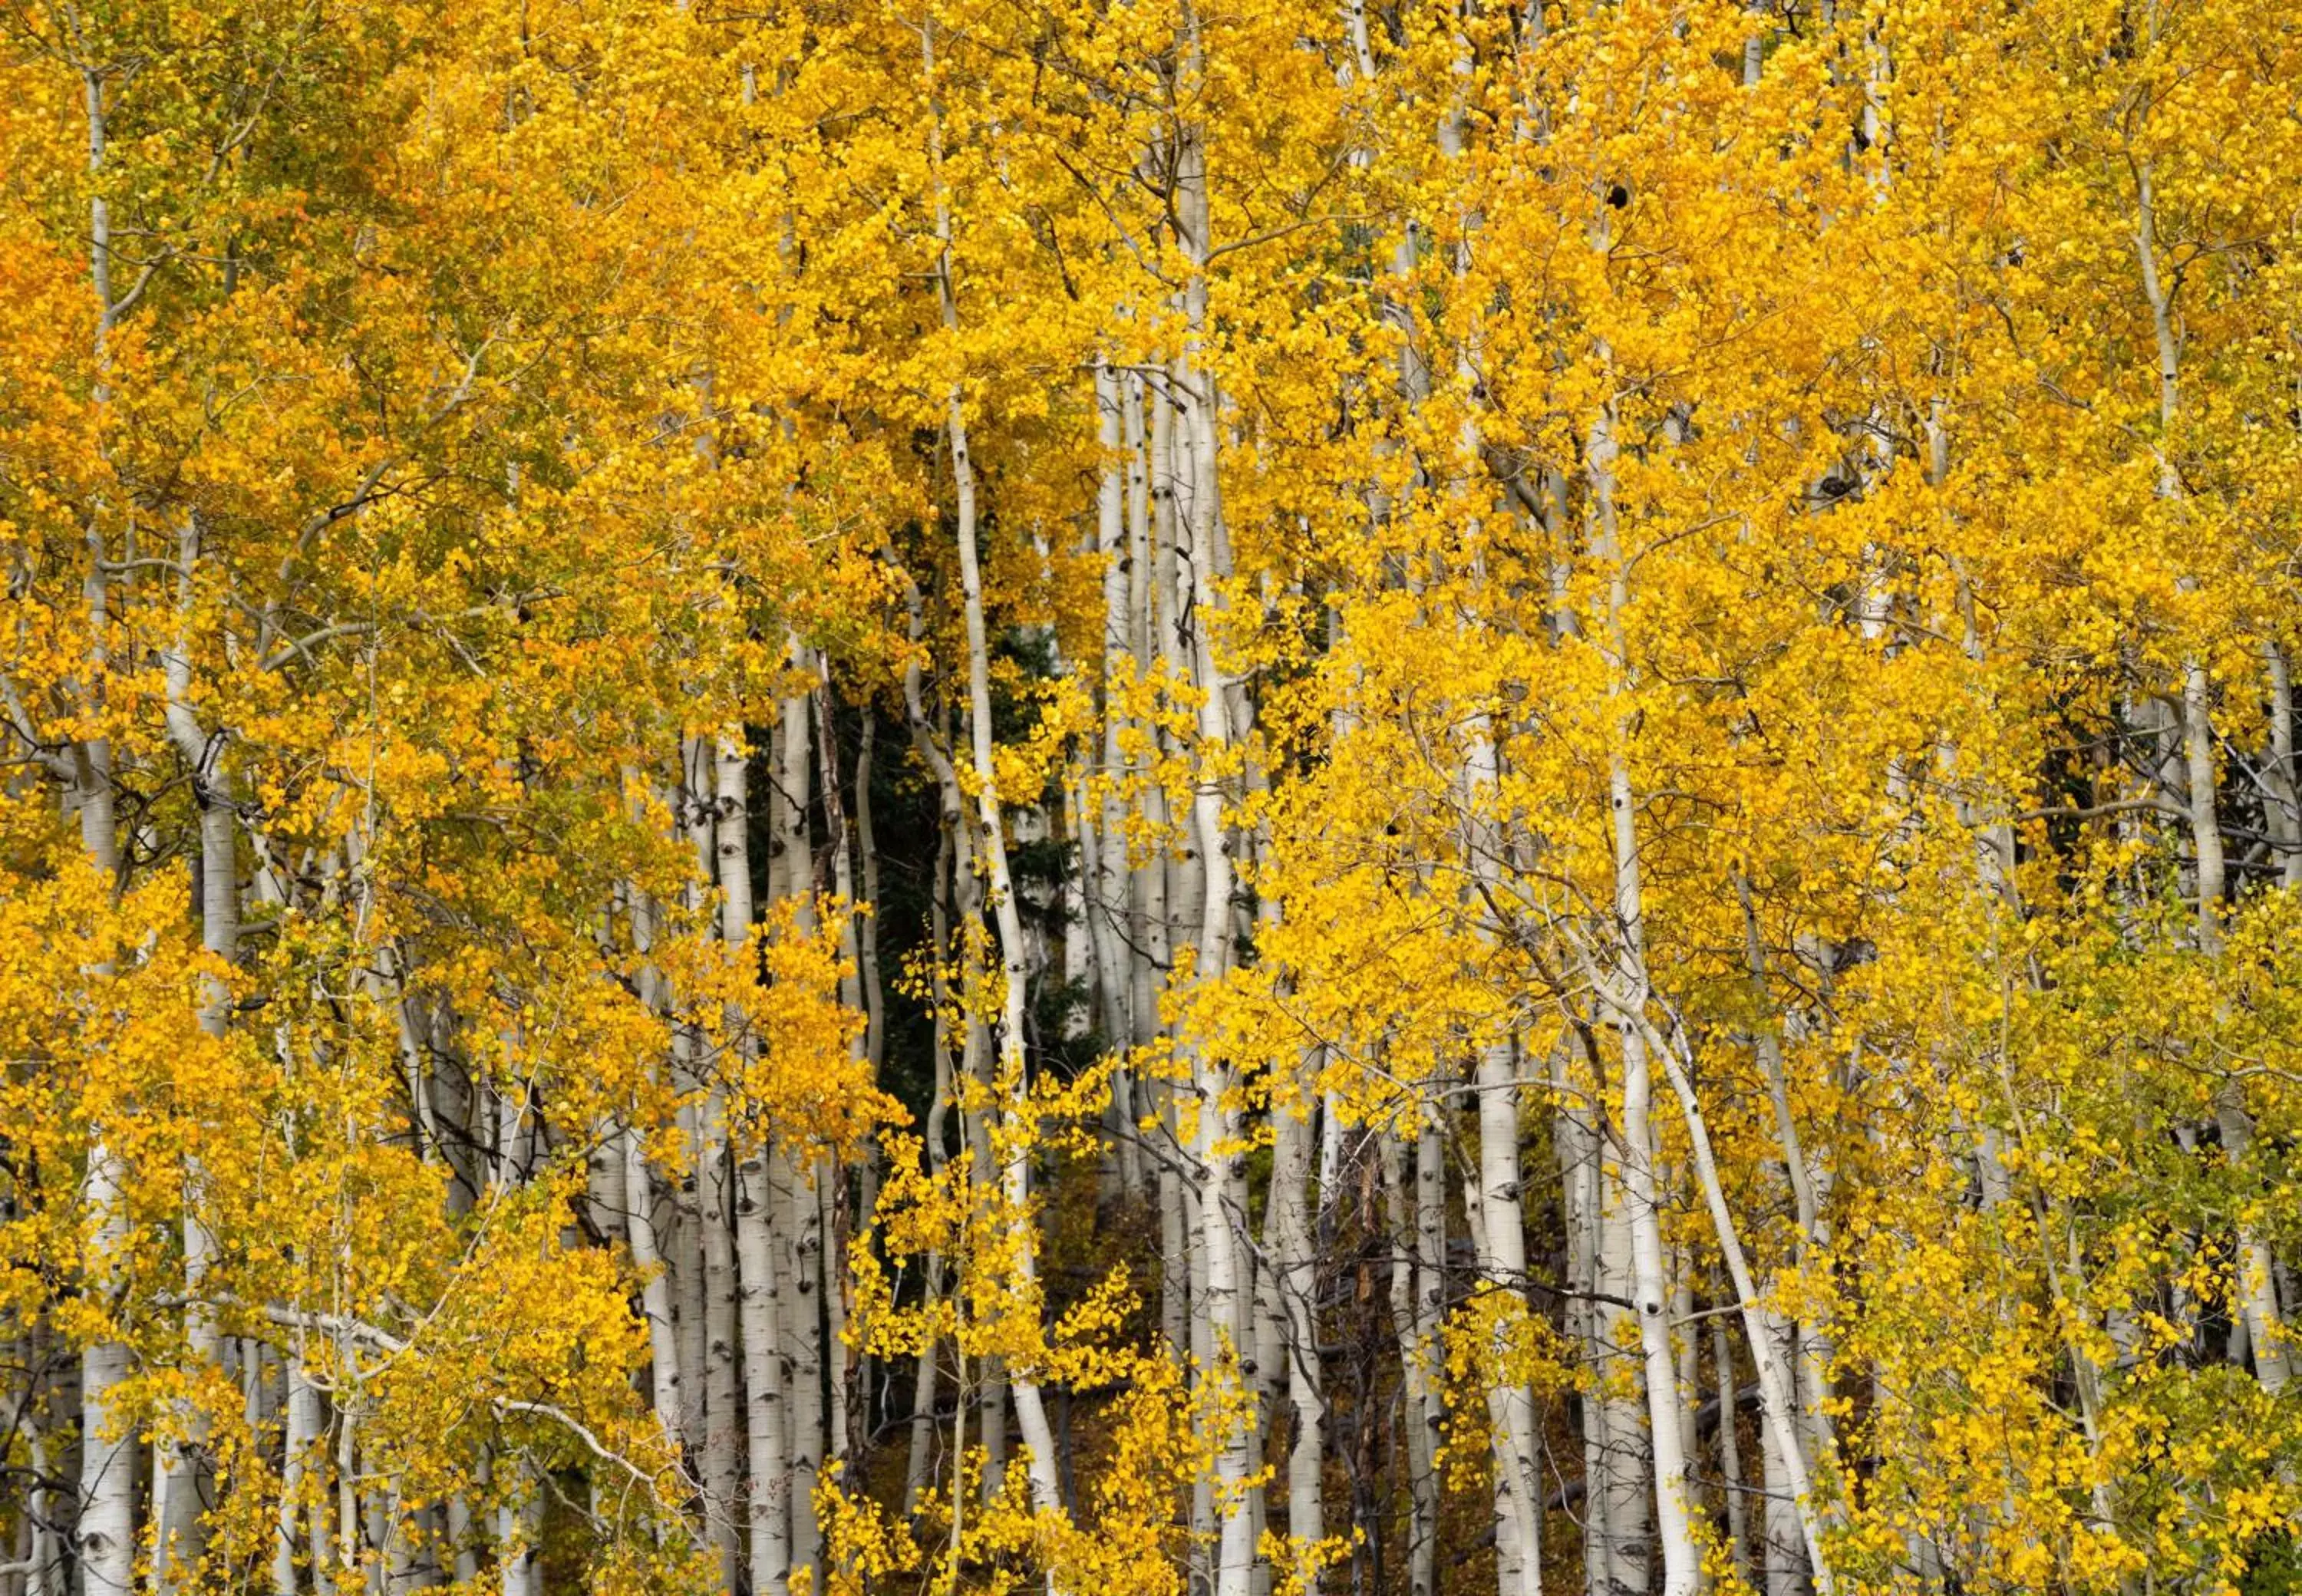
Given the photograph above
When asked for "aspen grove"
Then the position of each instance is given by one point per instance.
(1150, 797)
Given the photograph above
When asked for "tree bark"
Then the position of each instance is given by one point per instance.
(1294, 1264)
(1039, 1439)
(723, 1396)
(1650, 1288)
(1409, 1287)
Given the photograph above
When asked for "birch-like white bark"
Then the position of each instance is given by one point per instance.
(1203, 563)
(1513, 1438)
(1107, 876)
(1776, 1382)
(1408, 1271)
(1784, 1554)
(2280, 775)
(795, 1184)
(1809, 1347)
(923, 1381)
(1501, 1231)
(103, 1532)
(302, 1477)
(519, 1526)
(2257, 1286)
(641, 1231)
(1158, 885)
(795, 1217)
(183, 1481)
(831, 1179)
(1038, 1437)
(1296, 1267)
(688, 1273)
(758, 1280)
(723, 1396)
(768, 1503)
(1682, 1561)
(1731, 1477)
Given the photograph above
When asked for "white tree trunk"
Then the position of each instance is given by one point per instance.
(799, 1250)
(1650, 1284)
(2284, 812)
(105, 1534)
(1731, 1477)
(1499, 1220)
(795, 1217)
(1105, 825)
(183, 1481)
(1808, 1347)
(1501, 1238)
(1785, 1555)
(655, 1282)
(517, 1527)
(831, 1182)
(923, 1381)
(1651, 1291)
(1295, 1266)
(724, 1399)
(303, 1471)
(1409, 1275)
(2255, 1287)
(1616, 1501)
(769, 1502)
(690, 1208)
(1776, 1377)
(1030, 1412)
(758, 1280)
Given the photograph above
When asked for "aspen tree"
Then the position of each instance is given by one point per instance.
(644, 1234)
(799, 1237)
(718, 768)
(2256, 1282)
(103, 1537)
(1014, 1172)
(1642, 1188)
